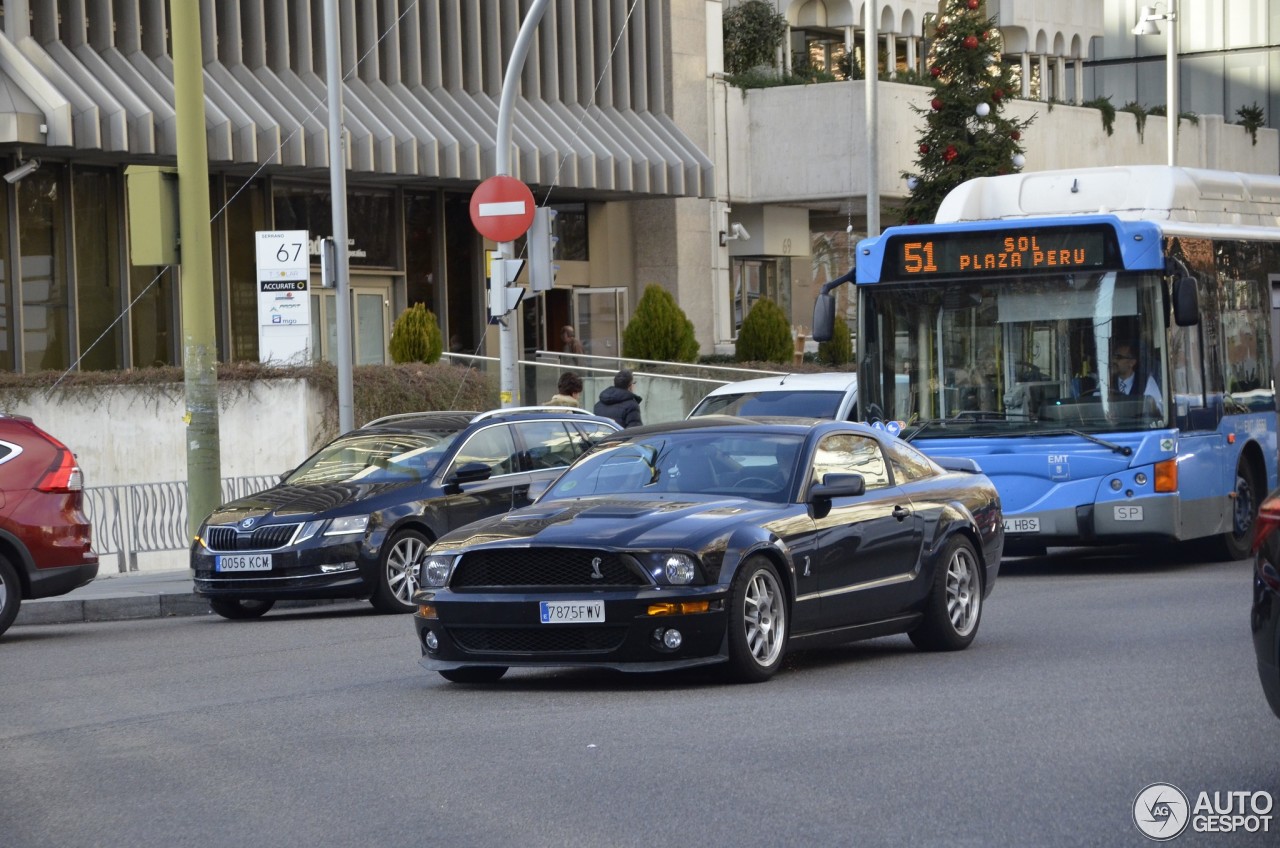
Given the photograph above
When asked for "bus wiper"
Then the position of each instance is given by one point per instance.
(1123, 450)
(961, 419)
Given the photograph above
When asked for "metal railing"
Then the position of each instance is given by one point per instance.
(150, 517)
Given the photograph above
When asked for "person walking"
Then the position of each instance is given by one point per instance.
(568, 391)
(619, 401)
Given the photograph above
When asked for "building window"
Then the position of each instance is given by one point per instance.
(42, 271)
(371, 221)
(570, 230)
(246, 215)
(99, 290)
(755, 278)
(422, 234)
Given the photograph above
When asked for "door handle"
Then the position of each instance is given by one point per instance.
(901, 513)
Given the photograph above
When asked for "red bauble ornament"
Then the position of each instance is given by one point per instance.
(950, 154)
(986, 36)
(936, 103)
(972, 4)
(971, 41)
(1015, 135)
(935, 71)
(924, 148)
(998, 94)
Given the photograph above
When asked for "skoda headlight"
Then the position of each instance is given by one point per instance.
(436, 570)
(347, 524)
(307, 531)
(679, 569)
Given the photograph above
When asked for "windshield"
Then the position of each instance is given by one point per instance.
(803, 403)
(1073, 351)
(753, 465)
(374, 458)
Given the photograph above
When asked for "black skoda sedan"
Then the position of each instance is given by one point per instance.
(717, 540)
(355, 520)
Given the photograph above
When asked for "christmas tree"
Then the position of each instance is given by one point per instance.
(964, 134)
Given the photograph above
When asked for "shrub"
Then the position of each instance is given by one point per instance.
(838, 351)
(659, 329)
(765, 335)
(416, 336)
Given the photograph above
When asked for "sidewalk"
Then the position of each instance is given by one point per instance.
(120, 597)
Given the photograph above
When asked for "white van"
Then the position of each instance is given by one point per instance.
(831, 395)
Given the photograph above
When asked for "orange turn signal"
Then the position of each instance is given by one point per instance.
(427, 611)
(685, 607)
(1167, 475)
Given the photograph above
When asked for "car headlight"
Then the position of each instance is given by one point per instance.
(672, 568)
(436, 570)
(347, 524)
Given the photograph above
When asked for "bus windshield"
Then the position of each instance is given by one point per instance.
(1003, 356)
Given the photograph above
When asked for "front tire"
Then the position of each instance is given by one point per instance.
(1237, 543)
(954, 606)
(758, 622)
(398, 572)
(475, 674)
(10, 594)
(238, 609)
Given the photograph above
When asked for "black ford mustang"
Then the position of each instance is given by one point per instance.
(716, 540)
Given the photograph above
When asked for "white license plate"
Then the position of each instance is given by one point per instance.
(1128, 513)
(1022, 525)
(244, 562)
(571, 612)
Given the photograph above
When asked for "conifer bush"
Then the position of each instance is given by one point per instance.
(659, 330)
(765, 335)
(416, 336)
(838, 351)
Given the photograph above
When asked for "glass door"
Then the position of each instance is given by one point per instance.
(600, 316)
(370, 319)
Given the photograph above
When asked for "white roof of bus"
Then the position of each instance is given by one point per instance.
(1135, 192)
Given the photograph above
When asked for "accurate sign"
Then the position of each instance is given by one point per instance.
(284, 296)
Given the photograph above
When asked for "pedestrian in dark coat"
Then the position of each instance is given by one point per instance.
(619, 402)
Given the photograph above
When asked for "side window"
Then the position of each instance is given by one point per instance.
(847, 453)
(547, 444)
(493, 446)
(909, 464)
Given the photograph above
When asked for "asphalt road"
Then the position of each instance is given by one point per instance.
(1091, 678)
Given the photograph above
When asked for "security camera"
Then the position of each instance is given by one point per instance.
(740, 232)
(23, 170)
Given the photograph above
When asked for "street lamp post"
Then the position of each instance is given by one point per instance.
(1147, 19)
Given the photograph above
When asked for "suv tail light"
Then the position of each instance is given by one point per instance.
(63, 475)
(1267, 523)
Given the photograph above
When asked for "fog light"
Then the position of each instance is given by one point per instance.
(1115, 485)
(1140, 479)
(431, 640)
(672, 639)
(337, 566)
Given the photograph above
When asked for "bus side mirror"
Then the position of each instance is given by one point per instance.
(1186, 302)
(824, 318)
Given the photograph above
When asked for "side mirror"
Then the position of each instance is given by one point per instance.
(470, 472)
(838, 486)
(824, 318)
(1186, 302)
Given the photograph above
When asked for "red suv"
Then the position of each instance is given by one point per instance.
(44, 534)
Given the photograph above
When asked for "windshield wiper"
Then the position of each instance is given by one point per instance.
(1123, 450)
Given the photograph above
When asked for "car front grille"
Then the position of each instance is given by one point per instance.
(229, 537)
(523, 567)
(549, 639)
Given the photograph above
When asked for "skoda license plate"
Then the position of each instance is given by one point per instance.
(244, 562)
(571, 612)
(1022, 525)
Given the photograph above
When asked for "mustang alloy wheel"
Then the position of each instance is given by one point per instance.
(954, 606)
(238, 609)
(758, 622)
(398, 572)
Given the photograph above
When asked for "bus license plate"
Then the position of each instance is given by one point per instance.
(244, 562)
(1022, 525)
(571, 612)
(1128, 513)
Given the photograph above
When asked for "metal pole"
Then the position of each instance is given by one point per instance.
(871, 50)
(508, 352)
(195, 277)
(1171, 61)
(338, 194)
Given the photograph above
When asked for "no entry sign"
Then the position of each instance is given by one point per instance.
(502, 208)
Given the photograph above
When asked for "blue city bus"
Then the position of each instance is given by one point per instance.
(1100, 341)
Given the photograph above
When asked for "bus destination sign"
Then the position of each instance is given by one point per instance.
(996, 252)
